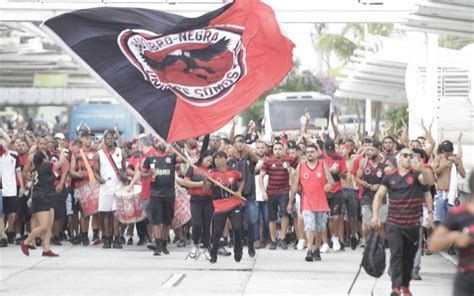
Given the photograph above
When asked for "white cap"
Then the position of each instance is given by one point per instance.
(60, 136)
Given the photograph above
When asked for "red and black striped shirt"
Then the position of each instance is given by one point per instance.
(406, 197)
(461, 219)
(278, 176)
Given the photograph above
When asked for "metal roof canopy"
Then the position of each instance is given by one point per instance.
(443, 17)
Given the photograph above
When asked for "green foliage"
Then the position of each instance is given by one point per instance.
(453, 42)
(396, 114)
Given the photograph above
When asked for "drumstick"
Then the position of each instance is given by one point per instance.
(204, 173)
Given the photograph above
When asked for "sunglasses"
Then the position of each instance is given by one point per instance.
(407, 155)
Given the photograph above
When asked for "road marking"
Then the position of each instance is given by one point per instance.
(174, 280)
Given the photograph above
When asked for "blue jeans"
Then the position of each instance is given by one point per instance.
(251, 215)
(263, 216)
(441, 206)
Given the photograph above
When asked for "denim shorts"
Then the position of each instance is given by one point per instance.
(314, 221)
(441, 206)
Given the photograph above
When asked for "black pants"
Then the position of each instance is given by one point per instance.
(201, 213)
(403, 244)
(218, 224)
(142, 229)
(464, 284)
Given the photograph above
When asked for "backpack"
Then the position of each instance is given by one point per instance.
(373, 259)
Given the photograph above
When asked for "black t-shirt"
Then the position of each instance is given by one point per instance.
(246, 166)
(460, 219)
(163, 183)
(406, 195)
(372, 174)
(46, 177)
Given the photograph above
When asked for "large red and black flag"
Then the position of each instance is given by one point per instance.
(182, 77)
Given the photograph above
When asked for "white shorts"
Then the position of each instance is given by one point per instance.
(69, 201)
(107, 203)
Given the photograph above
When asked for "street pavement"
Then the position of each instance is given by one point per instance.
(135, 271)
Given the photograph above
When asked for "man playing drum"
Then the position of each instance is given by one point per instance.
(108, 162)
(87, 187)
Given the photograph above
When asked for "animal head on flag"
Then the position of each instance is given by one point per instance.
(200, 66)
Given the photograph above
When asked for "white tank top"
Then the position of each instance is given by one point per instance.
(107, 172)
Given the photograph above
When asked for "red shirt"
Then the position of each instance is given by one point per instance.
(332, 161)
(222, 200)
(195, 175)
(146, 182)
(278, 176)
(312, 181)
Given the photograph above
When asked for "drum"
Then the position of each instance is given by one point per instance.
(129, 205)
(182, 208)
(88, 196)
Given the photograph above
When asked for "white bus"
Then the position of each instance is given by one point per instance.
(283, 112)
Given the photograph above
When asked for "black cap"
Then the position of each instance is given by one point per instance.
(329, 145)
(87, 132)
(377, 144)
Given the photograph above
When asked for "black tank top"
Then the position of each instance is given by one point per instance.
(373, 175)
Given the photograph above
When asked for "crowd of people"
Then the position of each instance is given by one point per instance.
(302, 191)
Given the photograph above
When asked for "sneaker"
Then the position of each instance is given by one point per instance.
(406, 291)
(251, 250)
(181, 243)
(325, 248)
(107, 244)
(343, 247)
(283, 244)
(301, 244)
(17, 240)
(353, 243)
(56, 241)
(151, 245)
(237, 256)
(11, 237)
(164, 248)
(193, 253)
(38, 241)
(116, 244)
(396, 292)
(140, 242)
(76, 240)
(213, 258)
(336, 245)
(4, 243)
(206, 254)
(24, 248)
(122, 240)
(415, 276)
(273, 246)
(362, 243)
(96, 241)
(316, 255)
(258, 245)
(32, 247)
(223, 252)
(130, 241)
(309, 256)
(157, 251)
(451, 251)
(50, 254)
(85, 241)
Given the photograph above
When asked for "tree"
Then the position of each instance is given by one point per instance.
(396, 116)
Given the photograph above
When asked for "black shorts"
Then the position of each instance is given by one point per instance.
(335, 200)
(60, 205)
(160, 210)
(277, 201)
(10, 204)
(42, 203)
(350, 201)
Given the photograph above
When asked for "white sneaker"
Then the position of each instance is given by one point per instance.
(325, 248)
(301, 244)
(336, 246)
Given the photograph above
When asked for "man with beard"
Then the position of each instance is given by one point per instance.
(161, 168)
(278, 168)
(261, 152)
(82, 162)
(244, 160)
(369, 176)
(108, 162)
